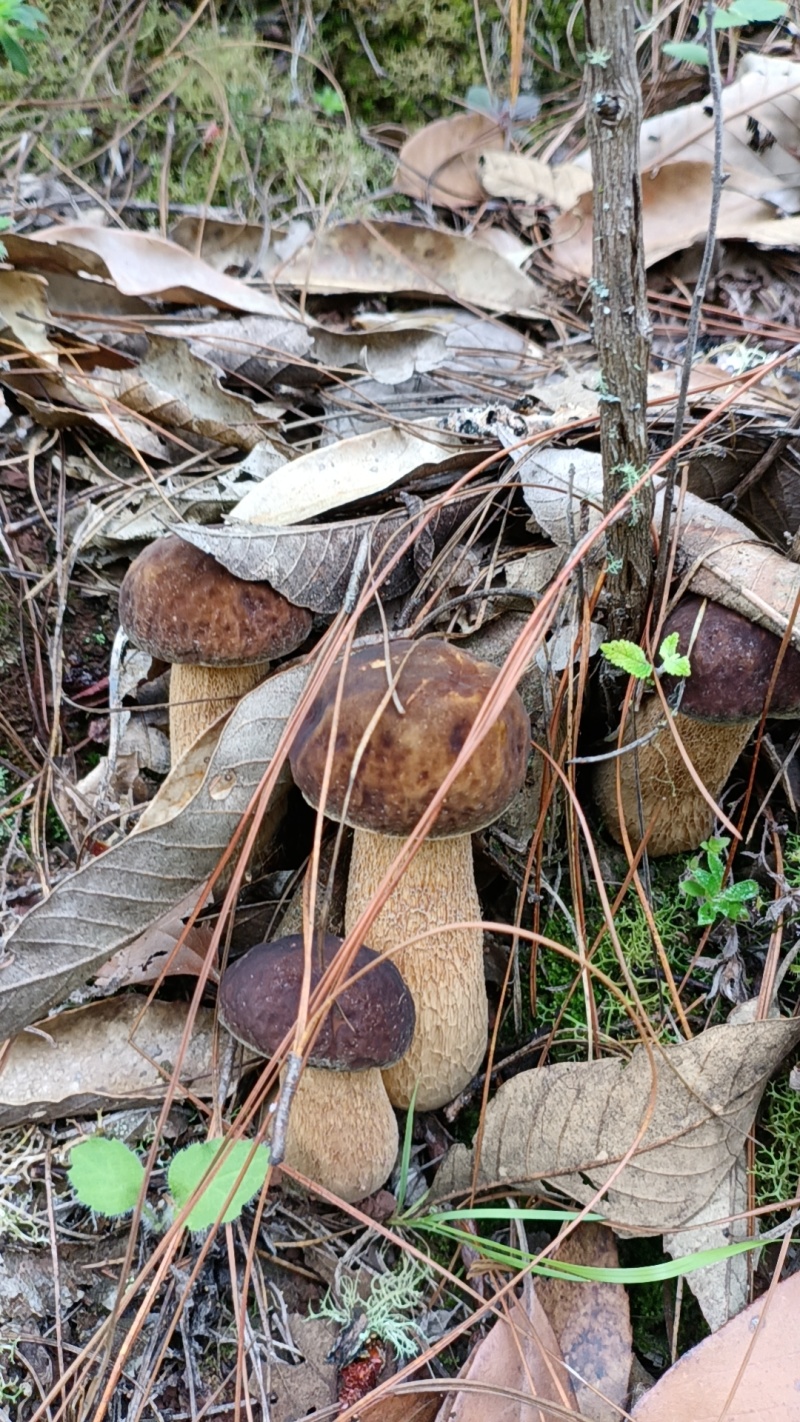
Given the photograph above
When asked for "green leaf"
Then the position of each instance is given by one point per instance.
(14, 54)
(189, 1167)
(105, 1175)
(689, 53)
(628, 657)
(749, 12)
(702, 882)
(738, 893)
(672, 663)
(706, 912)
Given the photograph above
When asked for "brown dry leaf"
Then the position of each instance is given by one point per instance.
(153, 952)
(316, 565)
(300, 1389)
(592, 1323)
(342, 473)
(87, 1060)
(254, 349)
(404, 1407)
(23, 310)
(63, 941)
(439, 163)
(394, 257)
(519, 1355)
(228, 245)
(62, 401)
(138, 263)
(570, 1124)
(388, 355)
(529, 180)
(172, 387)
(675, 202)
(722, 1289)
(705, 1386)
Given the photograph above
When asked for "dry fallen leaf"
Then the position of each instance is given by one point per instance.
(303, 1387)
(570, 1124)
(153, 953)
(592, 1323)
(92, 1059)
(385, 257)
(519, 1355)
(530, 180)
(253, 349)
(705, 1384)
(24, 311)
(439, 163)
(722, 1289)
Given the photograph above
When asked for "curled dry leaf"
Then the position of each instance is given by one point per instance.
(439, 163)
(154, 952)
(343, 473)
(568, 1125)
(92, 1059)
(64, 940)
(24, 312)
(138, 263)
(747, 1372)
(518, 1361)
(384, 257)
(317, 565)
(592, 1323)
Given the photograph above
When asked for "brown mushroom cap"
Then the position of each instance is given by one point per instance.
(441, 690)
(180, 605)
(370, 1024)
(732, 662)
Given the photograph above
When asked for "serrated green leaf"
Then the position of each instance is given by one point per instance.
(106, 1175)
(672, 662)
(686, 51)
(628, 657)
(189, 1167)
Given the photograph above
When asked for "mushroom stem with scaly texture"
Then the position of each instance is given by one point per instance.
(403, 757)
(218, 632)
(732, 660)
(342, 1130)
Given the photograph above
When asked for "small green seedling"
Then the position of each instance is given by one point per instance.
(705, 883)
(738, 13)
(107, 1176)
(386, 1312)
(328, 101)
(630, 658)
(19, 24)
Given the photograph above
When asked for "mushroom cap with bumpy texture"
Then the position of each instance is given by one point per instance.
(732, 661)
(441, 690)
(370, 1024)
(180, 605)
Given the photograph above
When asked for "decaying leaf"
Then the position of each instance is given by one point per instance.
(317, 565)
(108, 902)
(343, 473)
(568, 1125)
(592, 1323)
(254, 349)
(23, 310)
(745, 1373)
(229, 245)
(154, 954)
(723, 1288)
(92, 1059)
(439, 163)
(519, 1355)
(384, 257)
(530, 180)
(308, 1384)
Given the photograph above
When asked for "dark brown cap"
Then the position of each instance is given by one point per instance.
(180, 605)
(370, 1024)
(732, 662)
(441, 690)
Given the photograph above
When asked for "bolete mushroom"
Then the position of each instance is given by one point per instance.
(382, 788)
(219, 632)
(342, 1130)
(732, 661)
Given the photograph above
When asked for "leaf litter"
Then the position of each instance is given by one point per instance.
(302, 428)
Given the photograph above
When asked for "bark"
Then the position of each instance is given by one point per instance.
(621, 322)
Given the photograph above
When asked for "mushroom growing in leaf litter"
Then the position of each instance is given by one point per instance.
(342, 1130)
(732, 661)
(387, 766)
(219, 632)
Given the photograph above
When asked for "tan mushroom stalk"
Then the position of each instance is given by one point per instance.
(217, 631)
(342, 1130)
(732, 661)
(404, 761)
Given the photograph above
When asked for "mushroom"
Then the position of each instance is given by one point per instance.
(218, 631)
(405, 757)
(732, 661)
(342, 1130)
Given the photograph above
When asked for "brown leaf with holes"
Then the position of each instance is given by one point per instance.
(592, 1323)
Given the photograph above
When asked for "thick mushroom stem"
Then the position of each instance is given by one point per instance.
(444, 973)
(681, 817)
(199, 694)
(342, 1131)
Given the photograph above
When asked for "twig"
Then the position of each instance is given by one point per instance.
(291, 1077)
(717, 181)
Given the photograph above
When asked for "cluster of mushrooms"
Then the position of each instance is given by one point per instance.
(411, 1021)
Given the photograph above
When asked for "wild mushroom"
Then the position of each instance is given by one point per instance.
(406, 754)
(342, 1130)
(218, 631)
(732, 661)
